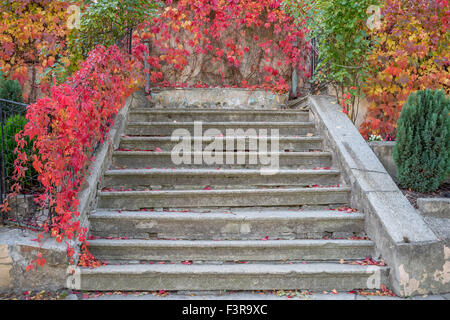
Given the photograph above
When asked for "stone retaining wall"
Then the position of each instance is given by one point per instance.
(225, 98)
(384, 151)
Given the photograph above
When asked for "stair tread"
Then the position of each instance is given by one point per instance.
(281, 153)
(211, 110)
(229, 215)
(229, 124)
(260, 268)
(226, 191)
(169, 138)
(221, 171)
(230, 243)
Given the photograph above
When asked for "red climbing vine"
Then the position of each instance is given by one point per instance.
(226, 43)
(64, 128)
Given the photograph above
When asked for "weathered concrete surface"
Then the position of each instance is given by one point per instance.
(384, 150)
(136, 200)
(17, 250)
(440, 226)
(277, 250)
(434, 207)
(298, 144)
(224, 98)
(270, 128)
(229, 224)
(251, 160)
(419, 261)
(215, 115)
(227, 178)
(6, 264)
(250, 295)
(313, 276)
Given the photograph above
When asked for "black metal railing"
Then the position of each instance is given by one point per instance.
(23, 210)
(317, 83)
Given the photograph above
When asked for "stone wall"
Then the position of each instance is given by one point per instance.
(384, 151)
(17, 249)
(225, 98)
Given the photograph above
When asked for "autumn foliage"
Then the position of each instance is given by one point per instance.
(32, 41)
(412, 54)
(66, 126)
(226, 43)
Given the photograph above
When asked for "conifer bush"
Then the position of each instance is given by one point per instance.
(422, 151)
(10, 90)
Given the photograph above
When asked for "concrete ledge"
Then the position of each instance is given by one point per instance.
(314, 276)
(419, 261)
(217, 98)
(17, 250)
(228, 224)
(384, 151)
(434, 207)
(198, 250)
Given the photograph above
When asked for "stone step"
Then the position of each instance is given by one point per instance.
(270, 250)
(167, 128)
(136, 200)
(303, 144)
(218, 115)
(233, 224)
(251, 160)
(224, 178)
(313, 276)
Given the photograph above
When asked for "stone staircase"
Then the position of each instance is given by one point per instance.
(159, 226)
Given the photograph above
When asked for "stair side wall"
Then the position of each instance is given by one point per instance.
(419, 262)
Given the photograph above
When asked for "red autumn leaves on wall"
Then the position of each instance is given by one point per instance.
(65, 127)
(224, 43)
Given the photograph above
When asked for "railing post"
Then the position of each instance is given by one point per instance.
(294, 82)
(147, 67)
(130, 40)
(313, 64)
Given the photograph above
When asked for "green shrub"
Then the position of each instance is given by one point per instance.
(10, 90)
(422, 151)
(12, 126)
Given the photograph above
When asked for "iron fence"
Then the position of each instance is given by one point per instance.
(23, 210)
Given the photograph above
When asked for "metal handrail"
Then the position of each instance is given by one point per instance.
(14, 102)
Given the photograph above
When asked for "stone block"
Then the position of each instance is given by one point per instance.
(434, 207)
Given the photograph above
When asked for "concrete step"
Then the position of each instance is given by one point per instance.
(167, 128)
(314, 276)
(136, 200)
(270, 250)
(302, 144)
(226, 178)
(218, 115)
(233, 224)
(252, 160)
